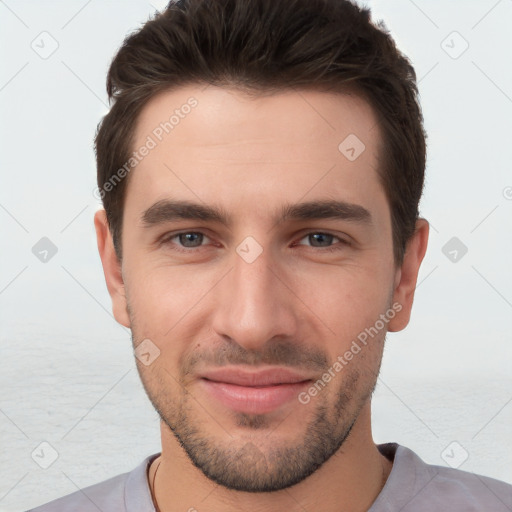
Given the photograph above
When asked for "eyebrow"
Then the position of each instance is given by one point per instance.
(168, 210)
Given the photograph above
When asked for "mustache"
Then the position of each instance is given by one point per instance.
(272, 353)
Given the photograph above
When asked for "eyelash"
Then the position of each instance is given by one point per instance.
(167, 241)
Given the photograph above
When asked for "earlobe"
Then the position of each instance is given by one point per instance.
(111, 268)
(407, 275)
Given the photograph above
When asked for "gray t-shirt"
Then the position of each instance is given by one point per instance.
(412, 486)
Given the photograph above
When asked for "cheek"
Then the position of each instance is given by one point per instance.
(163, 298)
(350, 295)
(350, 303)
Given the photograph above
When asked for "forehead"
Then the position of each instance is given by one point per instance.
(218, 143)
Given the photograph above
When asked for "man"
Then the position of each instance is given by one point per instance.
(261, 169)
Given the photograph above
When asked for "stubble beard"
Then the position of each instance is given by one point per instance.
(253, 462)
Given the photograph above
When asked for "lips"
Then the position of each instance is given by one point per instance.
(268, 377)
(253, 392)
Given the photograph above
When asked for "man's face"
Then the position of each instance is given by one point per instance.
(250, 314)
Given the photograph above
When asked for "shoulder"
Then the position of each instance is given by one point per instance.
(104, 494)
(124, 492)
(468, 491)
(421, 487)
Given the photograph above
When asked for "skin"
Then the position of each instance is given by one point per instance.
(205, 306)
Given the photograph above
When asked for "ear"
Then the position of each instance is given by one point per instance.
(407, 275)
(111, 268)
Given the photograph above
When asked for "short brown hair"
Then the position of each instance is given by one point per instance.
(265, 46)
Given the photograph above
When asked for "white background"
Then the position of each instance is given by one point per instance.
(67, 374)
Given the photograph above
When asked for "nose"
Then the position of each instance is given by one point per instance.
(255, 303)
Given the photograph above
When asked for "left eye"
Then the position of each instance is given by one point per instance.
(321, 239)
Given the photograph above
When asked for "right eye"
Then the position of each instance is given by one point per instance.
(185, 239)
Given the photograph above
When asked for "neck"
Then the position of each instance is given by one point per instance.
(354, 477)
